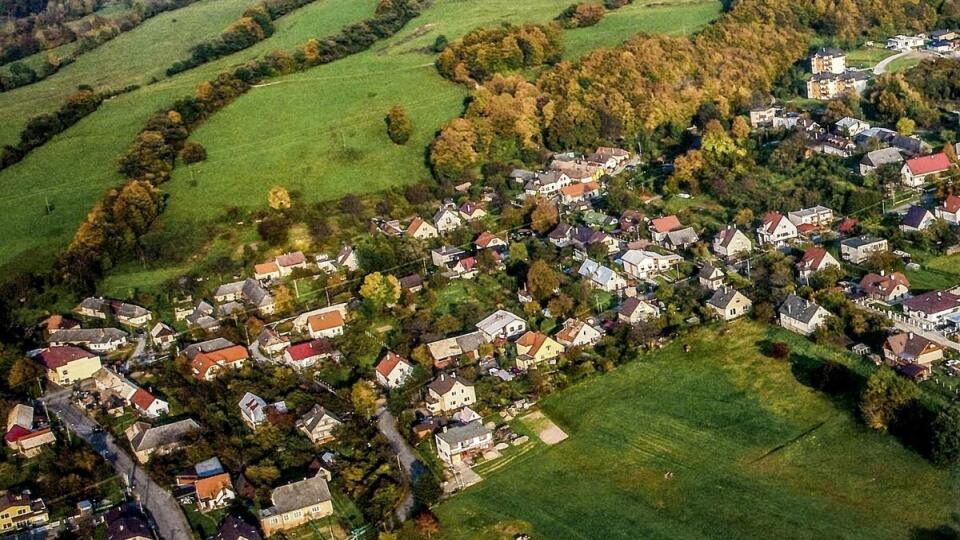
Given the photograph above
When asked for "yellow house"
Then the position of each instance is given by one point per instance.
(68, 364)
(296, 504)
(19, 512)
(535, 348)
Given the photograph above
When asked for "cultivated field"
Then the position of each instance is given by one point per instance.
(73, 170)
(721, 442)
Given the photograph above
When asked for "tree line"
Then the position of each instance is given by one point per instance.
(499, 49)
(255, 25)
(112, 230)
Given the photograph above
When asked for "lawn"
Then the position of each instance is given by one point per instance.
(721, 442)
(867, 57)
(73, 170)
(941, 272)
(902, 64)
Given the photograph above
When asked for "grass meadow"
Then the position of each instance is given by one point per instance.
(720, 442)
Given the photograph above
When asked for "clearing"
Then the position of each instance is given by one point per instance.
(721, 442)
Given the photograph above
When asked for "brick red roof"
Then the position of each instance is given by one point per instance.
(929, 164)
(813, 258)
(309, 349)
(666, 224)
(57, 357)
(951, 204)
(291, 259)
(883, 285)
(142, 399)
(16, 433)
(389, 362)
(771, 220)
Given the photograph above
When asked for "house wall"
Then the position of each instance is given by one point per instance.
(295, 518)
(77, 370)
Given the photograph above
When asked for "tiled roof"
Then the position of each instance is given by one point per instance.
(57, 357)
(325, 321)
(929, 164)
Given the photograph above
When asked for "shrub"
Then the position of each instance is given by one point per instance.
(193, 152)
(780, 350)
(398, 125)
(582, 15)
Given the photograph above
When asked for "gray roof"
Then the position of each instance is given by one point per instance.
(596, 272)
(253, 407)
(470, 342)
(457, 434)
(299, 495)
(683, 236)
(210, 345)
(799, 309)
(722, 298)
(710, 271)
(208, 467)
(154, 437)
(498, 320)
(860, 241)
(87, 335)
(444, 383)
(315, 415)
(255, 293)
(229, 288)
(883, 156)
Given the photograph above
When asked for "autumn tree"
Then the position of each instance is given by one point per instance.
(885, 394)
(906, 126)
(278, 198)
(544, 217)
(399, 127)
(364, 399)
(193, 152)
(582, 15)
(24, 376)
(380, 290)
(542, 280)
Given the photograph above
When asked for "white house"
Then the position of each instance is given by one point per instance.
(859, 248)
(501, 324)
(447, 219)
(932, 307)
(851, 127)
(776, 230)
(817, 216)
(642, 264)
(634, 310)
(318, 424)
(731, 243)
(456, 441)
(915, 172)
(878, 158)
(576, 333)
(421, 230)
(393, 370)
(711, 277)
(448, 393)
(802, 316)
(917, 219)
(949, 211)
(816, 259)
(327, 324)
(601, 277)
(901, 42)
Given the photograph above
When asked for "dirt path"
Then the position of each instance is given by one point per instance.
(548, 432)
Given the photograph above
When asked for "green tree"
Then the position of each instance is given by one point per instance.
(885, 394)
(906, 126)
(399, 127)
(23, 377)
(946, 437)
(542, 280)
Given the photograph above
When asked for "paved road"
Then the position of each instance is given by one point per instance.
(387, 425)
(882, 66)
(171, 523)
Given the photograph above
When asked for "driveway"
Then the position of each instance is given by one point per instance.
(387, 425)
(170, 521)
(882, 66)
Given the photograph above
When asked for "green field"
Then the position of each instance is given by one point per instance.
(902, 64)
(73, 170)
(941, 272)
(751, 453)
(322, 132)
(867, 57)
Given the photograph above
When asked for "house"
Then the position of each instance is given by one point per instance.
(851, 127)
(816, 259)
(389, 227)
(23, 436)
(536, 348)
(447, 393)
(576, 193)
(271, 343)
(124, 313)
(234, 528)
(831, 145)
(858, 249)
(470, 212)
(20, 511)
(288, 262)
(802, 316)
(202, 317)
(67, 364)
(830, 85)
(644, 265)
(634, 310)
(147, 440)
(583, 237)
(309, 353)
(546, 184)
(728, 303)
(163, 336)
(206, 484)
(819, 217)
(887, 288)
(126, 522)
(576, 333)
(659, 227)
(148, 404)
(445, 255)
(253, 410)
(711, 277)
(932, 307)
(455, 442)
(99, 340)
(776, 230)
(949, 211)
(249, 290)
(501, 324)
(447, 219)
(488, 240)
(916, 219)
(412, 283)
(872, 161)
(730, 243)
(910, 348)
(444, 351)
(828, 61)
(393, 370)
(328, 324)
(56, 322)
(681, 239)
(347, 258)
(601, 277)
(902, 43)
(207, 366)
(318, 424)
(421, 230)
(267, 270)
(561, 235)
(915, 172)
(296, 504)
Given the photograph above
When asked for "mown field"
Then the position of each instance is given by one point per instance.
(720, 442)
(322, 132)
(71, 172)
